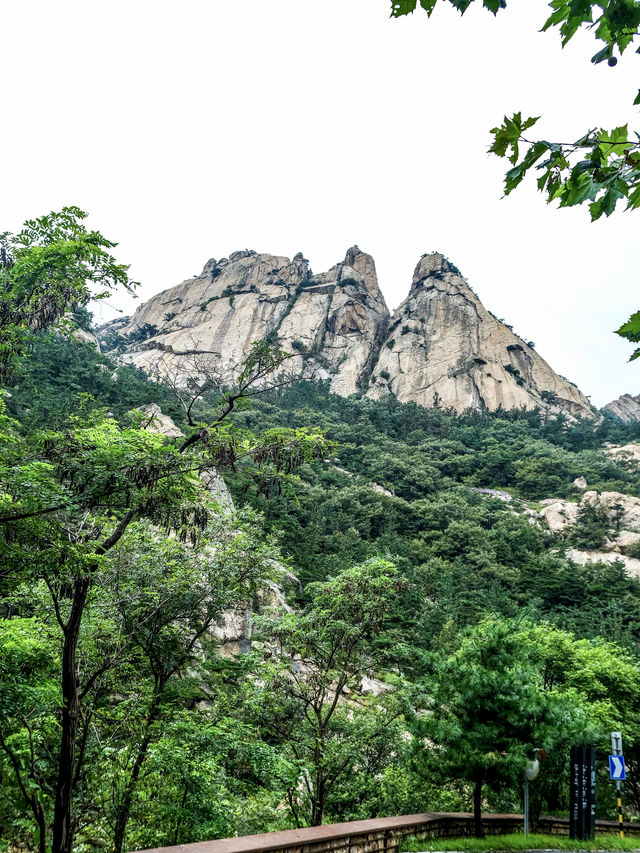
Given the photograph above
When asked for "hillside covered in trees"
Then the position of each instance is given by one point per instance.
(414, 629)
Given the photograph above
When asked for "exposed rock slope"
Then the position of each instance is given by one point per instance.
(625, 408)
(622, 514)
(441, 344)
(334, 319)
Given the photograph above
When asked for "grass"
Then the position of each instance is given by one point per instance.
(519, 841)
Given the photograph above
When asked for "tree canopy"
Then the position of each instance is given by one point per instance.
(53, 265)
(433, 633)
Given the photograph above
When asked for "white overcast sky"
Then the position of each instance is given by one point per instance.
(190, 130)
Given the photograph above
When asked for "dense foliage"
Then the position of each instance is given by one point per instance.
(467, 622)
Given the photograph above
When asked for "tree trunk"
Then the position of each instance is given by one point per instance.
(319, 793)
(63, 828)
(317, 807)
(123, 809)
(42, 832)
(477, 808)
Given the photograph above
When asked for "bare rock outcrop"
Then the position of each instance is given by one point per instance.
(331, 321)
(558, 514)
(444, 347)
(622, 514)
(628, 454)
(153, 419)
(622, 511)
(85, 337)
(234, 628)
(631, 564)
(625, 408)
(441, 346)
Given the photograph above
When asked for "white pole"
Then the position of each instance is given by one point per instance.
(526, 806)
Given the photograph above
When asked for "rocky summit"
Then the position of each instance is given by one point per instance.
(625, 408)
(441, 346)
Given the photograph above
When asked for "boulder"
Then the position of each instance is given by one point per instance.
(627, 538)
(557, 514)
(155, 421)
(622, 510)
(626, 453)
(631, 565)
(370, 686)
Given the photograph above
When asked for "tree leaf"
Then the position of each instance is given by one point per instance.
(402, 7)
(631, 329)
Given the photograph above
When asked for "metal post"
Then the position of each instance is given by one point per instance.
(616, 749)
(619, 805)
(526, 806)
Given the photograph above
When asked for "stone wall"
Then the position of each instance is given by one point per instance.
(381, 835)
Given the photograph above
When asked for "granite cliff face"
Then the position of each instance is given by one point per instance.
(441, 345)
(333, 320)
(625, 408)
(444, 345)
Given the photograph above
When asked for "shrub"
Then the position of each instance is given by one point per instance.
(515, 373)
(142, 333)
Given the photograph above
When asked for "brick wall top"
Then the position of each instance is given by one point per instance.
(296, 837)
(403, 825)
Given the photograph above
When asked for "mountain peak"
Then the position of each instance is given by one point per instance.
(440, 345)
(432, 266)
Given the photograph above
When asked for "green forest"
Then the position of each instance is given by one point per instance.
(409, 639)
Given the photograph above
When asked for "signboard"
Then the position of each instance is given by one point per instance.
(582, 814)
(616, 767)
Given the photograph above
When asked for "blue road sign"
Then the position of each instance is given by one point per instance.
(616, 767)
